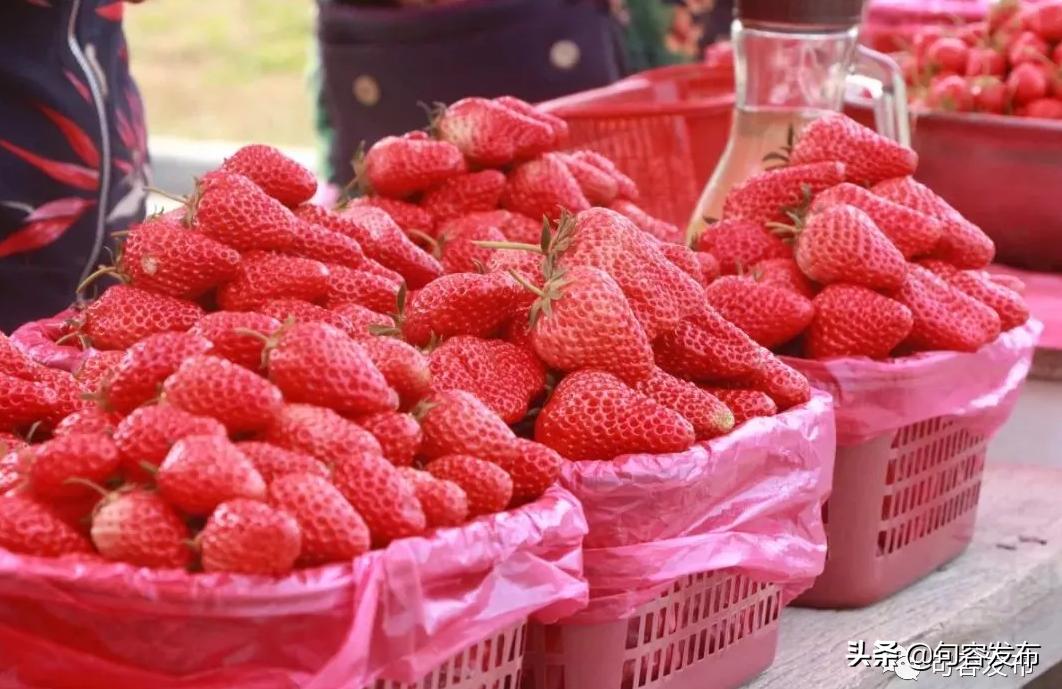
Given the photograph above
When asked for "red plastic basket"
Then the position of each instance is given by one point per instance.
(666, 128)
(902, 505)
(705, 631)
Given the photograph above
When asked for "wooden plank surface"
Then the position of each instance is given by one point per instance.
(1006, 588)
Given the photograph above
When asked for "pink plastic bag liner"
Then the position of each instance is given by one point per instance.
(873, 398)
(750, 500)
(37, 340)
(394, 613)
(1043, 293)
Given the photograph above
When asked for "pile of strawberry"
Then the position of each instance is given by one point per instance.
(840, 252)
(1011, 63)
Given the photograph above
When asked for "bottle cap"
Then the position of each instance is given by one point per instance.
(804, 14)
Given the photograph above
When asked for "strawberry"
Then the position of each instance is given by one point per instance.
(363, 320)
(233, 210)
(544, 187)
(383, 241)
(985, 61)
(582, 320)
(1028, 47)
(276, 174)
(1045, 19)
(456, 422)
(165, 257)
(404, 367)
(770, 315)
(745, 404)
(947, 54)
(512, 226)
(320, 433)
(13, 362)
(593, 415)
(332, 530)
(70, 395)
(409, 216)
(912, 232)
(1008, 304)
(324, 245)
(264, 276)
(527, 264)
(868, 157)
(625, 186)
(707, 347)
(273, 461)
(784, 273)
(30, 528)
(444, 502)
(767, 196)
(299, 311)
(139, 376)
(532, 466)
(85, 456)
(1045, 108)
(685, 259)
(487, 487)
(202, 471)
(138, 527)
(13, 465)
(705, 412)
(9, 442)
(348, 286)
(518, 227)
(854, 321)
(94, 369)
(1026, 83)
(599, 187)
(378, 492)
(1011, 282)
(400, 166)
(226, 331)
(558, 127)
(249, 537)
(216, 387)
(492, 135)
(461, 304)
(944, 317)
(399, 435)
(503, 376)
(459, 252)
(990, 95)
(466, 193)
(124, 315)
(962, 243)
(710, 268)
(951, 93)
(842, 244)
(738, 244)
(784, 384)
(146, 436)
(664, 231)
(89, 420)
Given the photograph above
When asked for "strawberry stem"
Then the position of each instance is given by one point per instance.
(88, 484)
(527, 285)
(516, 246)
(99, 272)
(168, 195)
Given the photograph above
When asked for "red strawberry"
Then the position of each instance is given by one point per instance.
(461, 304)
(139, 376)
(738, 244)
(320, 433)
(146, 436)
(705, 412)
(913, 233)
(558, 127)
(526, 264)
(1011, 282)
(363, 320)
(87, 456)
(249, 537)
(1008, 304)
(1046, 20)
(745, 404)
(944, 317)
(234, 211)
(459, 252)
(1045, 108)
(165, 257)
(13, 465)
(226, 331)
(947, 54)
(332, 530)
(139, 528)
(766, 197)
(599, 187)
(490, 134)
(216, 387)
(13, 362)
(487, 487)
(89, 420)
(664, 231)
(770, 315)
(94, 369)
(456, 422)
(264, 276)
(9, 442)
(544, 187)
(710, 268)
(378, 492)
(842, 244)
(854, 321)
(278, 175)
(950, 93)
(503, 376)
(624, 185)
(784, 273)
(707, 347)
(383, 240)
(1028, 47)
(348, 286)
(444, 502)
(593, 415)
(990, 95)
(404, 367)
(985, 61)
(399, 166)
(202, 471)
(1026, 83)
(124, 315)
(298, 311)
(467, 193)
(399, 435)
(962, 243)
(30, 528)
(785, 385)
(868, 157)
(325, 245)
(533, 468)
(518, 227)
(685, 259)
(409, 216)
(273, 461)
(70, 395)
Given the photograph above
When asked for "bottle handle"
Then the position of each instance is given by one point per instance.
(881, 76)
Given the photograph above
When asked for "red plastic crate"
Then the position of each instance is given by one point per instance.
(902, 505)
(666, 128)
(705, 631)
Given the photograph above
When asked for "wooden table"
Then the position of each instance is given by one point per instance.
(1007, 587)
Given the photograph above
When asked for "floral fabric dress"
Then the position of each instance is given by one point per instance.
(666, 32)
(73, 151)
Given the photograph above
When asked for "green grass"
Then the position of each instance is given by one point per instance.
(224, 69)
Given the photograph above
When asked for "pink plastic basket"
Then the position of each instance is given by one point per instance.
(705, 631)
